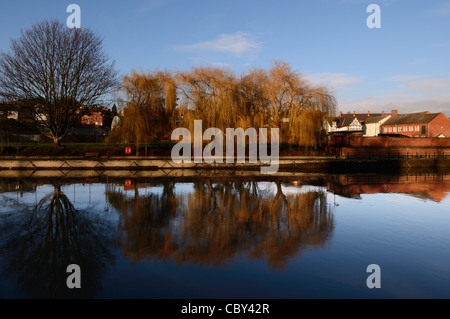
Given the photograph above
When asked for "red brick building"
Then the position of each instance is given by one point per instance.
(424, 124)
(96, 117)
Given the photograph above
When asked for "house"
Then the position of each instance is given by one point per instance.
(12, 111)
(93, 126)
(98, 116)
(16, 123)
(423, 124)
(371, 125)
(353, 122)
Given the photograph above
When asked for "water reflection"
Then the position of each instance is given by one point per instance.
(214, 223)
(433, 187)
(39, 241)
(217, 222)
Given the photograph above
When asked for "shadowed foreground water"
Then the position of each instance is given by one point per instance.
(228, 239)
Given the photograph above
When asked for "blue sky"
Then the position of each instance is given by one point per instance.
(404, 65)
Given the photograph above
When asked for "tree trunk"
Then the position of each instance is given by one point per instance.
(57, 141)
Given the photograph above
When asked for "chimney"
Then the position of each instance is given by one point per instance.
(368, 113)
(354, 113)
(394, 112)
(382, 113)
(340, 113)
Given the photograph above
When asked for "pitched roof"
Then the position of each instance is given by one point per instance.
(375, 119)
(360, 116)
(413, 118)
(342, 122)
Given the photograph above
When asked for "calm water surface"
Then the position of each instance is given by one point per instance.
(309, 238)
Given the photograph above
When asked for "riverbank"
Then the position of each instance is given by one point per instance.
(301, 164)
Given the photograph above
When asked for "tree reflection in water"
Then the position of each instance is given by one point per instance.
(40, 242)
(216, 222)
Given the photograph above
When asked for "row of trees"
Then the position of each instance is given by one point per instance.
(276, 98)
(59, 72)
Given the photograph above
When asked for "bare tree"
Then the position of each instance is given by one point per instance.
(58, 72)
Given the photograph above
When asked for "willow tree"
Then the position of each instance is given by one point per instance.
(208, 94)
(58, 73)
(150, 113)
(276, 98)
(294, 105)
(252, 100)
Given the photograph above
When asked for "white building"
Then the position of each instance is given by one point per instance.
(346, 124)
(371, 125)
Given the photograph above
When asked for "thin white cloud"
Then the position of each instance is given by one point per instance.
(376, 104)
(236, 44)
(337, 81)
(413, 93)
(405, 78)
(435, 86)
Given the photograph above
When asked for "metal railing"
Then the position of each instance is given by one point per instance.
(396, 155)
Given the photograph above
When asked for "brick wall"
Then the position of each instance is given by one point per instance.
(440, 125)
(391, 146)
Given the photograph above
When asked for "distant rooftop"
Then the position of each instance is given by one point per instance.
(412, 118)
(362, 117)
(375, 119)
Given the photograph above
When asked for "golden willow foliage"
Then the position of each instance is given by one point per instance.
(274, 98)
(150, 113)
(216, 222)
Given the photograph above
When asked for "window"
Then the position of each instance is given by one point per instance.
(13, 115)
(394, 129)
(400, 129)
(417, 128)
(411, 129)
(423, 129)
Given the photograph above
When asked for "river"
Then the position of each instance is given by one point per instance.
(302, 237)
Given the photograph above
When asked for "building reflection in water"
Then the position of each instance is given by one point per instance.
(218, 221)
(433, 187)
(39, 241)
